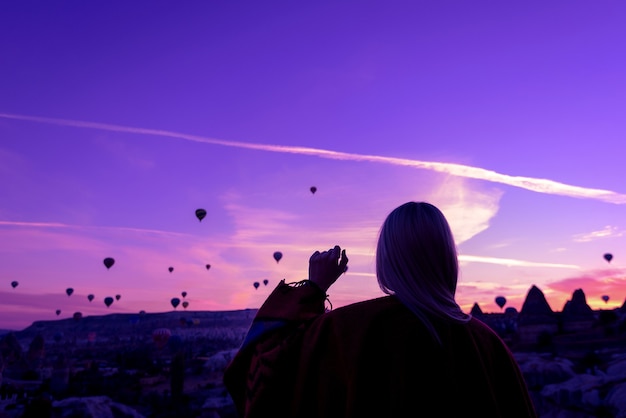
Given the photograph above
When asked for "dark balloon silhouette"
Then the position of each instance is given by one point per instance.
(108, 301)
(185, 304)
(608, 257)
(77, 316)
(200, 214)
(605, 298)
(108, 262)
(90, 297)
(183, 293)
(170, 269)
(501, 301)
(277, 256)
(256, 285)
(14, 284)
(160, 336)
(58, 312)
(175, 302)
(69, 291)
(313, 189)
(117, 297)
(208, 266)
(265, 282)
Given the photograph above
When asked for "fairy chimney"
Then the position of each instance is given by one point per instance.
(577, 315)
(536, 317)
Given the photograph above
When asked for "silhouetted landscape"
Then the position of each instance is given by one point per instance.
(171, 364)
(152, 365)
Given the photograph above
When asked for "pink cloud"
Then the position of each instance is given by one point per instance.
(611, 282)
(486, 298)
(32, 239)
(19, 309)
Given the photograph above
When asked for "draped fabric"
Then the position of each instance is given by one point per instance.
(372, 358)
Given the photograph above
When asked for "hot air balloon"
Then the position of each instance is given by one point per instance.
(175, 302)
(170, 269)
(608, 257)
(185, 304)
(265, 282)
(256, 285)
(183, 293)
(14, 284)
(605, 298)
(501, 301)
(90, 297)
(108, 301)
(69, 291)
(108, 262)
(160, 336)
(77, 316)
(200, 214)
(208, 266)
(58, 312)
(117, 297)
(313, 189)
(277, 256)
(511, 311)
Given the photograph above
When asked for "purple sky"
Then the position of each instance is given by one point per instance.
(119, 119)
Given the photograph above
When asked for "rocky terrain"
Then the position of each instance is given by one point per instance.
(171, 364)
(121, 365)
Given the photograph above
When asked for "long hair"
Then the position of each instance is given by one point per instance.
(416, 261)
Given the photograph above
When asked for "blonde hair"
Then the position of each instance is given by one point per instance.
(416, 261)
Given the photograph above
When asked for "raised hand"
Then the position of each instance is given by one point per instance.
(326, 267)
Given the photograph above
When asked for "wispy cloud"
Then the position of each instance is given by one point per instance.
(89, 227)
(606, 232)
(609, 282)
(529, 183)
(510, 262)
(469, 210)
(255, 224)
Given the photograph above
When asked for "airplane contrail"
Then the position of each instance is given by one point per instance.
(529, 183)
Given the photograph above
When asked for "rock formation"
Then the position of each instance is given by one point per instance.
(536, 319)
(476, 311)
(577, 315)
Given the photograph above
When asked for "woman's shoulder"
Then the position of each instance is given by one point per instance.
(485, 335)
(366, 307)
(367, 315)
(479, 327)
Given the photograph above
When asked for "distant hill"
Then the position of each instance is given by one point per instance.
(122, 325)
